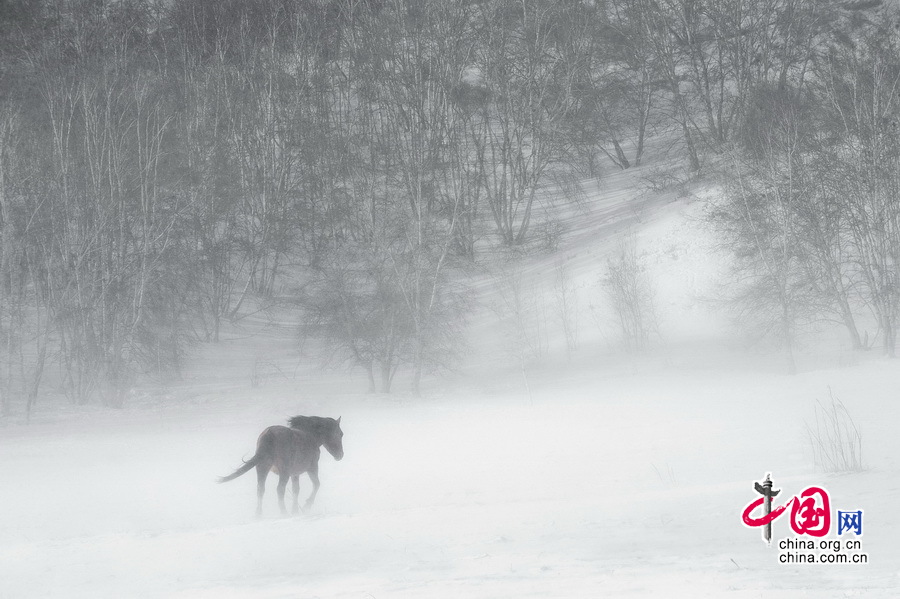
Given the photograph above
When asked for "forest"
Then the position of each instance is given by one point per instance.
(168, 165)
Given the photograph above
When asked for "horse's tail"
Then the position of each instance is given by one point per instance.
(264, 446)
(249, 464)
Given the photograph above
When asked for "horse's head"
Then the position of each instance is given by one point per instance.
(334, 440)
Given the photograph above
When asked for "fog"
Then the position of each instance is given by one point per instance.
(591, 471)
(578, 278)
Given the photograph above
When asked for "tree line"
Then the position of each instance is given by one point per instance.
(811, 209)
(164, 161)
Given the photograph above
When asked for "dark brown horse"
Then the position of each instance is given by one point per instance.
(289, 452)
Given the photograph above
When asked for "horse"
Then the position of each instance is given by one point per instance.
(289, 452)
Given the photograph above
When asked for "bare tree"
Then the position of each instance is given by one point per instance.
(759, 222)
(567, 306)
(632, 297)
(354, 306)
(528, 62)
(862, 91)
(622, 82)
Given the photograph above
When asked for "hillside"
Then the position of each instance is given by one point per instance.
(558, 472)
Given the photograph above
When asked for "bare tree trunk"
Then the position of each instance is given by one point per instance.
(370, 371)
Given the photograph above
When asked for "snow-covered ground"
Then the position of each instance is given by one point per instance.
(593, 473)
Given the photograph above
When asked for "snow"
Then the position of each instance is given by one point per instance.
(611, 474)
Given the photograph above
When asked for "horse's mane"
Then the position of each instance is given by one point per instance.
(312, 424)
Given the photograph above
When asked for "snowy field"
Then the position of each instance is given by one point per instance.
(606, 475)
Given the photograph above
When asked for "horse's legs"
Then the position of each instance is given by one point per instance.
(262, 471)
(314, 477)
(295, 488)
(282, 485)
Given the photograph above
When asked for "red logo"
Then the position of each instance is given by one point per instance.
(809, 516)
(810, 511)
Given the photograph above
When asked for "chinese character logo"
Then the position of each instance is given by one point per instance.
(810, 511)
(850, 521)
